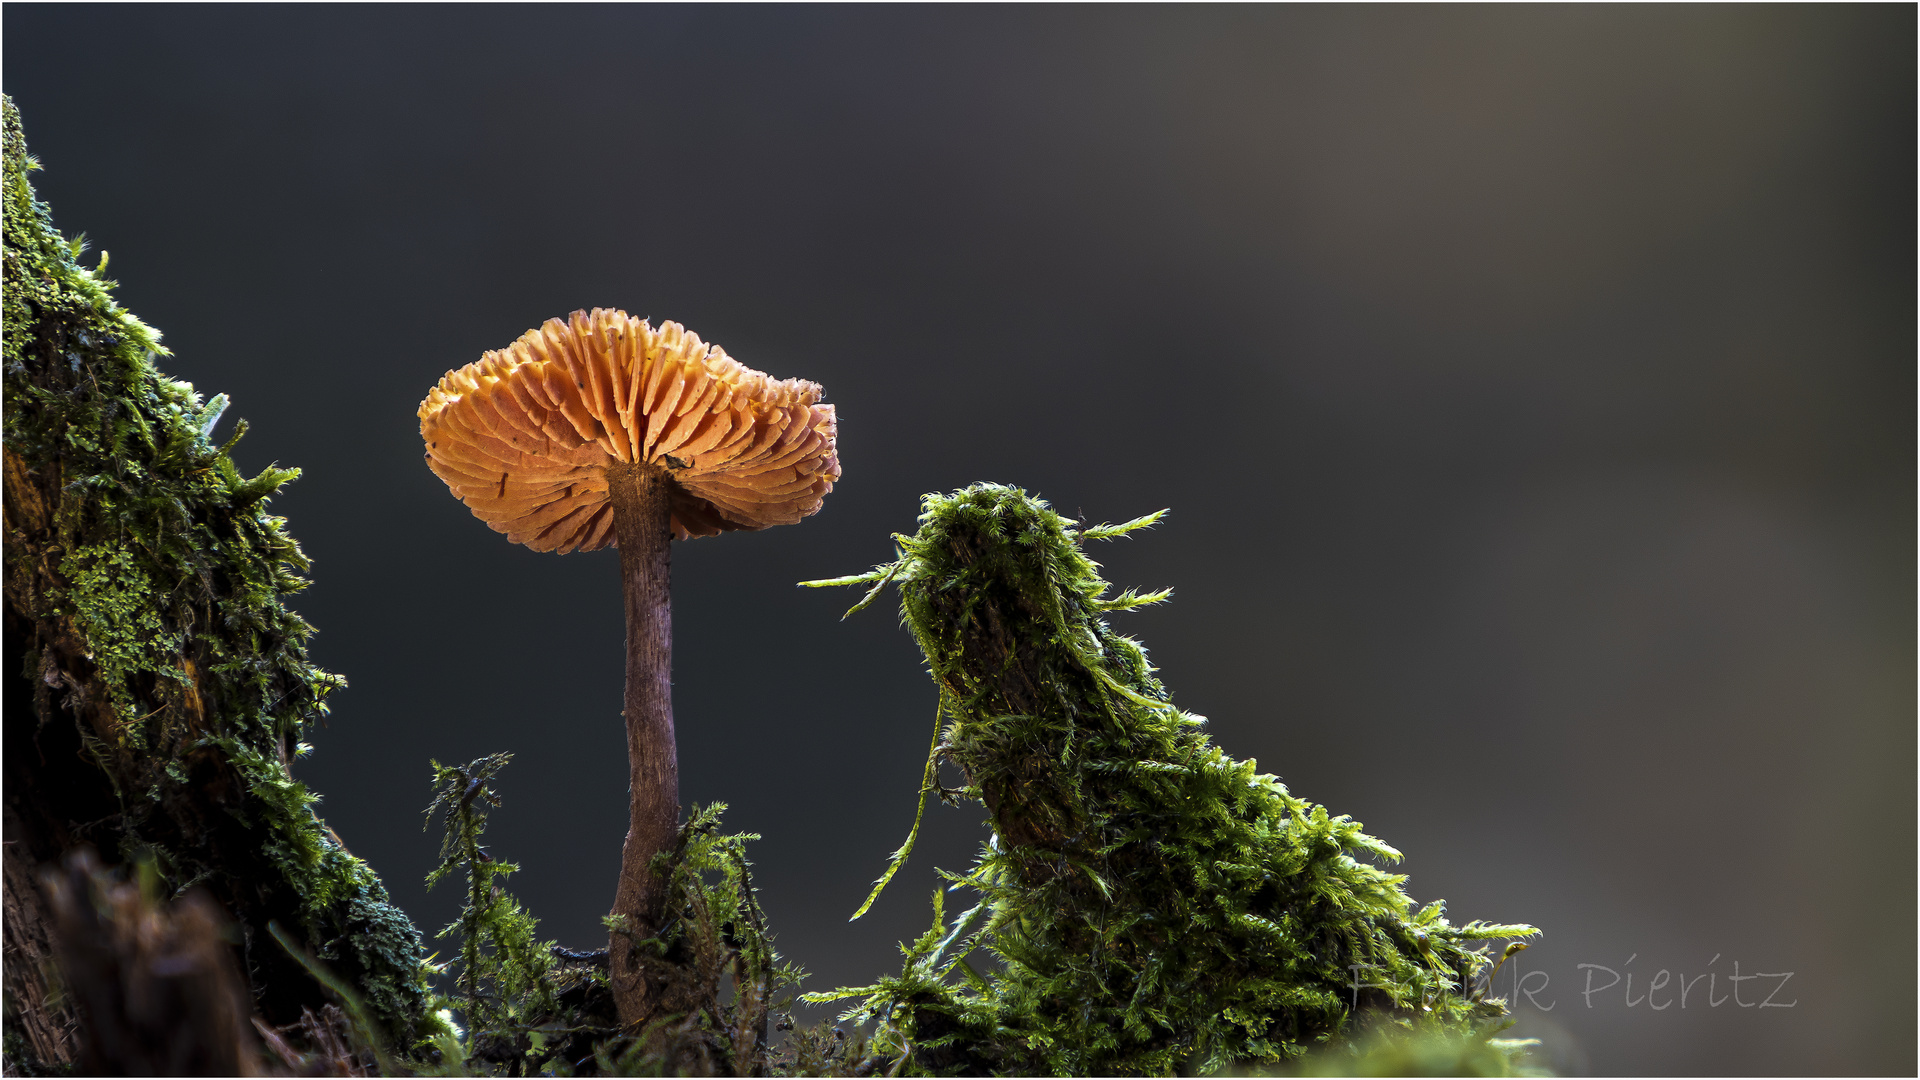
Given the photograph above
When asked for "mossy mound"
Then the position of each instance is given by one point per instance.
(1156, 905)
(160, 684)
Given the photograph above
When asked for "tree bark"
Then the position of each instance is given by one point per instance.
(641, 496)
(45, 1019)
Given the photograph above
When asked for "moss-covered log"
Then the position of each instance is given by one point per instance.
(157, 684)
(1158, 906)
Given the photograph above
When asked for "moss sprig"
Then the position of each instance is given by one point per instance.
(505, 981)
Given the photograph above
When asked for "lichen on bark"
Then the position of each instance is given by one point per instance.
(158, 685)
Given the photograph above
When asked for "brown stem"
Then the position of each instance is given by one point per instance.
(641, 516)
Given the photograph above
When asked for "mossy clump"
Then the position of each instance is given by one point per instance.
(159, 685)
(530, 1007)
(1155, 905)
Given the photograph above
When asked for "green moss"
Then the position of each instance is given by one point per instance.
(111, 600)
(149, 587)
(1155, 905)
(505, 978)
(715, 978)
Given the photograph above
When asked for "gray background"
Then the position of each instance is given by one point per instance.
(1533, 390)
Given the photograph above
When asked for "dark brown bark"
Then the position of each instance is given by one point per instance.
(31, 831)
(642, 507)
(45, 1020)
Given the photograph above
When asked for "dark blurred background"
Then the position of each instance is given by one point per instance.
(1533, 389)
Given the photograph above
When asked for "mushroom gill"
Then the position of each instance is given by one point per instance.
(525, 434)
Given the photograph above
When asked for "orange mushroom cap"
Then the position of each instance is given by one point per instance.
(524, 436)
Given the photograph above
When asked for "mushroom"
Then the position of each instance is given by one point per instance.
(604, 430)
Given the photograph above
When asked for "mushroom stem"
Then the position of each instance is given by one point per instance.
(641, 497)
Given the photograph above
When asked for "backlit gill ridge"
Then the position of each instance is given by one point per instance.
(524, 435)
